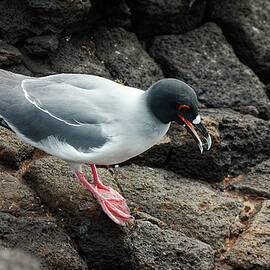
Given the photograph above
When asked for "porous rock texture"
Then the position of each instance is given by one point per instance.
(192, 211)
(205, 60)
(246, 25)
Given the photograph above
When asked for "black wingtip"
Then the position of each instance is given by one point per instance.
(4, 124)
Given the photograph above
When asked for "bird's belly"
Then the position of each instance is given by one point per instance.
(118, 149)
(128, 146)
(124, 152)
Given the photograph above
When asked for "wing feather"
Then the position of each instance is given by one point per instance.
(63, 106)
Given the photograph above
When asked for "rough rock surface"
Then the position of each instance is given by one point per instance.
(9, 55)
(191, 211)
(114, 13)
(246, 25)
(157, 17)
(80, 51)
(41, 45)
(21, 69)
(185, 205)
(154, 248)
(252, 250)
(21, 19)
(42, 237)
(17, 198)
(12, 150)
(255, 182)
(204, 59)
(17, 259)
(268, 90)
(124, 56)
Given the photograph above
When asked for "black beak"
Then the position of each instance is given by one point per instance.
(205, 134)
(189, 127)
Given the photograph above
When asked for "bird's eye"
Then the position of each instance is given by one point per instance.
(183, 106)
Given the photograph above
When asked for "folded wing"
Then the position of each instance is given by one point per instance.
(70, 108)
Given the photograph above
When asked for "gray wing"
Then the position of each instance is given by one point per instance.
(63, 106)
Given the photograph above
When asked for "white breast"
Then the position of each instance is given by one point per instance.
(136, 131)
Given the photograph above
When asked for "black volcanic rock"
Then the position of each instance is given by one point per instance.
(246, 25)
(42, 237)
(26, 18)
(125, 57)
(154, 248)
(41, 45)
(17, 259)
(9, 55)
(113, 13)
(251, 250)
(76, 54)
(13, 152)
(157, 17)
(188, 206)
(256, 181)
(267, 88)
(191, 210)
(15, 22)
(204, 59)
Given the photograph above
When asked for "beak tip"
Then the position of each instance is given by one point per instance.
(200, 147)
(209, 142)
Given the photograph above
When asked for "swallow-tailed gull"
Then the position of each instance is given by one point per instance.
(89, 119)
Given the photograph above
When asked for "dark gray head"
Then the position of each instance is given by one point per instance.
(173, 100)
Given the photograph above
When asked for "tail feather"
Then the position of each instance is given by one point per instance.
(9, 78)
(9, 92)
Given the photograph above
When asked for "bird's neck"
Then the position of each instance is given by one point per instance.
(156, 106)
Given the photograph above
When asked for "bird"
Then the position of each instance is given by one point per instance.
(87, 119)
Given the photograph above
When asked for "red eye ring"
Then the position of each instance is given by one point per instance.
(183, 106)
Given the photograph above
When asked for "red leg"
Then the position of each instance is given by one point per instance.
(112, 203)
(97, 183)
